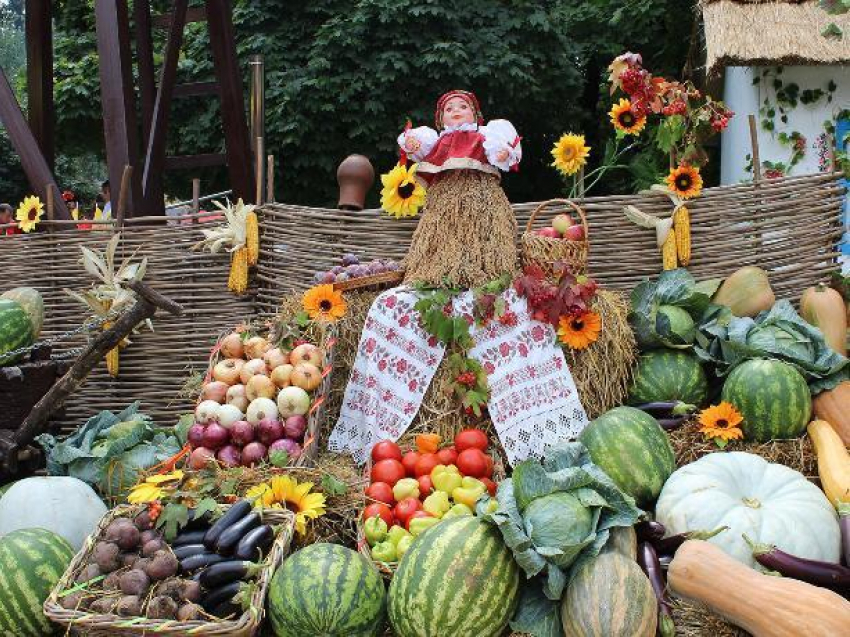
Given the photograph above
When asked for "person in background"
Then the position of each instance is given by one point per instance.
(73, 203)
(105, 192)
(7, 216)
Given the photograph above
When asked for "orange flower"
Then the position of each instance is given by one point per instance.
(685, 181)
(579, 331)
(721, 421)
(323, 303)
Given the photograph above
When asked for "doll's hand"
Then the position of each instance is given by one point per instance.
(502, 155)
(411, 144)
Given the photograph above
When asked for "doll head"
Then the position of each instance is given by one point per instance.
(457, 107)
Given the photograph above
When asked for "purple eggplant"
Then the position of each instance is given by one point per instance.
(230, 571)
(230, 537)
(234, 514)
(671, 424)
(824, 574)
(649, 531)
(648, 560)
(844, 523)
(189, 537)
(255, 544)
(200, 560)
(185, 550)
(669, 545)
(668, 409)
(218, 596)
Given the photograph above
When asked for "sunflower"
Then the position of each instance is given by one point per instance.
(580, 330)
(721, 421)
(570, 153)
(29, 213)
(154, 488)
(685, 181)
(323, 303)
(624, 119)
(402, 195)
(283, 492)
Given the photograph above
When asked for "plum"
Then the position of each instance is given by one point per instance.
(162, 607)
(328, 277)
(134, 582)
(129, 606)
(337, 270)
(350, 259)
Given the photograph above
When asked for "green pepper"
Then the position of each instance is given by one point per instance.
(396, 533)
(375, 530)
(457, 511)
(446, 478)
(384, 552)
(403, 544)
(420, 525)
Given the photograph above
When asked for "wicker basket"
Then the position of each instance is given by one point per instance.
(545, 252)
(77, 622)
(388, 569)
(374, 281)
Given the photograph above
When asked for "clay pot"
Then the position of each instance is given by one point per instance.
(355, 176)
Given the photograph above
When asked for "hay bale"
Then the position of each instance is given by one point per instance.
(694, 620)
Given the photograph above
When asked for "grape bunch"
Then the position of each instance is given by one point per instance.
(350, 267)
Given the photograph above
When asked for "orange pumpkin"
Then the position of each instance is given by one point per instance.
(823, 307)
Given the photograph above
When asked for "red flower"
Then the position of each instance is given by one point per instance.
(401, 366)
(509, 319)
(371, 343)
(504, 349)
(523, 349)
(489, 368)
(432, 341)
(412, 385)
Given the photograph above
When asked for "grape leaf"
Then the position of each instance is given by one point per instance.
(279, 458)
(332, 485)
(172, 518)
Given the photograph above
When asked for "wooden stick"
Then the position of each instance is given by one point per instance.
(270, 179)
(196, 196)
(260, 170)
(754, 142)
(48, 189)
(123, 194)
(581, 182)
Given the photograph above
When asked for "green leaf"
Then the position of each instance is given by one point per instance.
(279, 458)
(333, 486)
(302, 319)
(835, 7)
(181, 429)
(172, 518)
(832, 32)
(206, 505)
(228, 487)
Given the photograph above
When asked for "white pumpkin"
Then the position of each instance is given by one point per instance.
(67, 506)
(771, 503)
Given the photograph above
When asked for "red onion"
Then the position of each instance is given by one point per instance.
(241, 433)
(196, 435)
(229, 456)
(294, 427)
(289, 446)
(200, 457)
(252, 453)
(269, 430)
(215, 436)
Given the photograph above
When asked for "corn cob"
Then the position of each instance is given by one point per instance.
(682, 227)
(112, 356)
(252, 238)
(238, 280)
(668, 251)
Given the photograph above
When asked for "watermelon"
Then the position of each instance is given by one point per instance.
(31, 563)
(666, 375)
(458, 579)
(772, 396)
(326, 589)
(15, 330)
(29, 299)
(632, 448)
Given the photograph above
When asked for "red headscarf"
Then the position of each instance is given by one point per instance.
(468, 97)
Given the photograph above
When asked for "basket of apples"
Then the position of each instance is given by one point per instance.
(260, 401)
(410, 492)
(564, 243)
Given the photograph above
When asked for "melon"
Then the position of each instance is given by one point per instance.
(29, 299)
(458, 579)
(746, 292)
(609, 596)
(669, 375)
(326, 589)
(632, 448)
(773, 398)
(67, 506)
(31, 563)
(15, 330)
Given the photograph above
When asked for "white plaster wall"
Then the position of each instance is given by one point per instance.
(743, 97)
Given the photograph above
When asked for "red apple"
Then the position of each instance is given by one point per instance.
(549, 232)
(252, 368)
(561, 223)
(306, 353)
(574, 233)
(227, 371)
(232, 346)
(306, 376)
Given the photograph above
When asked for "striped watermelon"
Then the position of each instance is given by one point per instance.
(666, 375)
(632, 448)
(29, 299)
(327, 589)
(772, 396)
(458, 579)
(15, 329)
(31, 563)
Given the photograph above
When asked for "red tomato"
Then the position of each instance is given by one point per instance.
(491, 486)
(386, 450)
(416, 514)
(389, 471)
(406, 508)
(425, 486)
(471, 439)
(381, 492)
(472, 462)
(409, 461)
(380, 509)
(426, 463)
(447, 456)
(489, 458)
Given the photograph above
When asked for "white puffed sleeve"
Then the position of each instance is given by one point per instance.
(426, 137)
(499, 135)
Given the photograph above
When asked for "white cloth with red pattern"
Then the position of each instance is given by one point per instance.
(533, 399)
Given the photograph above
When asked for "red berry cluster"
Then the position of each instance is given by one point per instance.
(632, 79)
(467, 379)
(154, 509)
(508, 319)
(677, 107)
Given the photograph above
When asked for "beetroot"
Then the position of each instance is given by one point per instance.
(269, 430)
(252, 453)
(229, 456)
(294, 427)
(196, 435)
(129, 606)
(143, 521)
(190, 591)
(106, 556)
(128, 537)
(200, 458)
(112, 581)
(162, 565)
(147, 536)
(292, 448)
(89, 572)
(152, 547)
(189, 612)
(129, 559)
(162, 607)
(215, 436)
(134, 582)
(104, 605)
(242, 432)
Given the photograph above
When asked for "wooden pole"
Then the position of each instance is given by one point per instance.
(270, 179)
(50, 213)
(754, 141)
(196, 195)
(123, 195)
(39, 45)
(261, 168)
(581, 182)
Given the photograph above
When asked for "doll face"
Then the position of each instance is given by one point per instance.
(457, 111)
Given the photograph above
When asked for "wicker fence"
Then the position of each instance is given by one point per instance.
(788, 226)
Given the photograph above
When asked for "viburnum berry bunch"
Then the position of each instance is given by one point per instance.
(548, 302)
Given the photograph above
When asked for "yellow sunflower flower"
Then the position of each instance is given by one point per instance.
(580, 331)
(154, 488)
(285, 492)
(624, 120)
(721, 421)
(685, 181)
(29, 213)
(402, 195)
(570, 153)
(323, 303)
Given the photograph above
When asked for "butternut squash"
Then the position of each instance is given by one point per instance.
(833, 461)
(833, 406)
(823, 307)
(746, 292)
(763, 605)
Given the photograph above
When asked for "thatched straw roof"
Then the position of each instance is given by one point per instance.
(771, 32)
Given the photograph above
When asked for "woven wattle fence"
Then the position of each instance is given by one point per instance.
(787, 226)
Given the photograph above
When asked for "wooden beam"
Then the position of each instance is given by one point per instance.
(144, 53)
(194, 14)
(35, 166)
(192, 89)
(204, 160)
(155, 154)
(117, 96)
(229, 75)
(40, 107)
